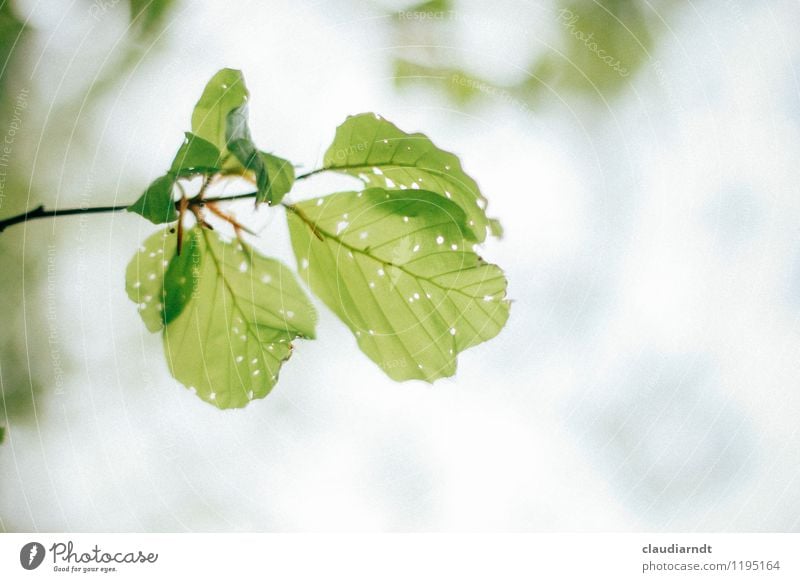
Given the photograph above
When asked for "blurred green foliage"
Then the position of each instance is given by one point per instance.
(600, 46)
(16, 384)
(149, 16)
(26, 360)
(11, 28)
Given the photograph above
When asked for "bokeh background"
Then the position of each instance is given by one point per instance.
(647, 379)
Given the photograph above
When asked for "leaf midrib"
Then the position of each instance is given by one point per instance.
(234, 297)
(314, 226)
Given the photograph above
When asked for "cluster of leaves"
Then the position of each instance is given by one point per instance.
(395, 261)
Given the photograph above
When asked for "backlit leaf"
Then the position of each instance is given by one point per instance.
(181, 276)
(281, 177)
(376, 151)
(160, 282)
(228, 314)
(241, 145)
(195, 156)
(224, 92)
(398, 268)
(156, 204)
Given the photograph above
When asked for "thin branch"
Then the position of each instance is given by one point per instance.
(311, 173)
(42, 212)
(227, 198)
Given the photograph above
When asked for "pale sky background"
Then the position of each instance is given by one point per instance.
(647, 378)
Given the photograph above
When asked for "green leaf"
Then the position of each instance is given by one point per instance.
(156, 204)
(228, 314)
(225, 92)
(195, 156)
(180, 279)
(221, 118)
(281, 177)
(399, 270)
(236, 125)
(247, 154)
(2, 433)
(241, 145)
(161, 282)
(381, 155)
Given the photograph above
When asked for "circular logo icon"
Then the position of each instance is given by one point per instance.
(31, 555)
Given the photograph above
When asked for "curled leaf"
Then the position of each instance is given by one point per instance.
(382, 155)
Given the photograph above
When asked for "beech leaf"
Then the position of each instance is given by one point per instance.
(156, 204)
(398, 268)
(227, 314)
(382, 155)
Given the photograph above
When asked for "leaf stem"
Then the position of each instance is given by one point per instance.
(41, 212)
(312, 173)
